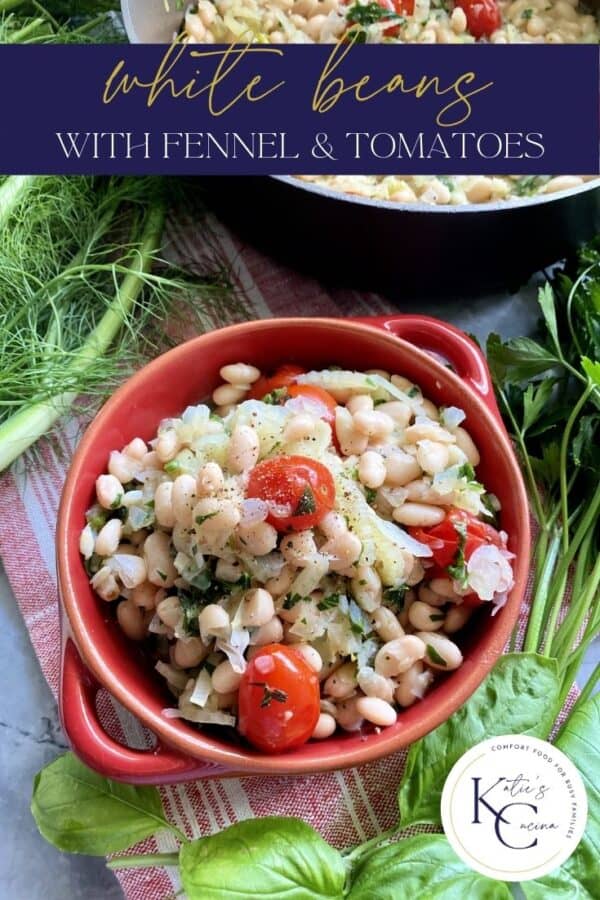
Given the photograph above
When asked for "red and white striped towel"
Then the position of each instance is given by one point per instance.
(346, 807)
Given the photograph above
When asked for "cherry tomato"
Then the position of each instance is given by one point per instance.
(444, 540)
(279, 699)
(301, 488)
(317, 395)
(483, 16)
(284, 376)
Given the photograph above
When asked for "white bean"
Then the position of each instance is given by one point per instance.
(167, 445)
(400, 467)
(325, 727)
(343, 551)
(299, 428)
(342, 683)
(163, 504)
(169, 611)
(418, 515)
(360, 403)
(87, 542)
(109, 491)
(426, 595)
(456, 618)
(210, 479)
(281, 583)
(144, 595)
(347, 715)
(428, 431)
(228, 570)
(269, 633)
(374, 685)
(351, 441)
(213, 621)
(386, 624)
(183, 499)
(229, 393)
(432, 456)
(257, 608)
(258, 539)
(131, 619)
(374, 424)
(243, 449)
(105, 584)
(371, 469)
(189, 652)
(467, 445)
(136, 448)
(397, 410)
(413, 684)
(333, 524)
(424, 617)
(238, 373)
(124, 468)
(441, 653)
(443, 587)
(366, 588)
(109, 538)
(224, 679)
(398, 656)
(157, 557)
(377, 711)
(312, 656)
(298, 549)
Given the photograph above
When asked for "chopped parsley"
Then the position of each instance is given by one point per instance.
(161, 574)
(527, 14)
(93, 564)
(269, 694)
(201, 519)
(435, 657)
(291, 600)
(370, 495)
(393, 597)
(172, 467)
(467, 471)
(413, 391)
(437, 617)
(358, 621)
(117, 501)
(329, 602)
(306, 504)
(276, 397)
(96, 519)
(458, 569)
(191, 604)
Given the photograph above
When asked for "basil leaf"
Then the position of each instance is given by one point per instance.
(270, 857)
(577, 878)
(79, 811)
(519, 696)
(423, 866)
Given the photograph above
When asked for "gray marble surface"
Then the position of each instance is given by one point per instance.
(30, 733)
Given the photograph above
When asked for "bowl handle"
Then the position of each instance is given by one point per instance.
(450, 342)
(159, 765)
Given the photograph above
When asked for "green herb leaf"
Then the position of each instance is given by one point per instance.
(434, 656)
(578, 876)
(591, 369)
(370, 495)
(424, 866)
(79, 811)
(270, 857)
(393, 597)
(328, 602)
(546, 302)
(306, 504)
(201, 519)
(518, 697)
(518, 359)
(276, 397)
(535, 401)
(291, 600)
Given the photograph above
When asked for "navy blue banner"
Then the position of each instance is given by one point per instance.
(519, 109)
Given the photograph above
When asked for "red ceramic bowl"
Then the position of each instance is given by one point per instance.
(96, 653)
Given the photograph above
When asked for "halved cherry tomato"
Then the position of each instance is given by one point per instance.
(301, 490)
(279, 699)
(444, 540)
(284, 376)
(483, 16)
